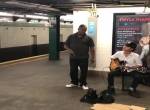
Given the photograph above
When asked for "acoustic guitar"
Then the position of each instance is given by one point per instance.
(117, 64)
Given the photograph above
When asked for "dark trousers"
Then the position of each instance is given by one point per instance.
(75, 77)
(136, 78)
(141, 78)
(146, 78)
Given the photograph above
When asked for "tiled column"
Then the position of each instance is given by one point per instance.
(54, 38)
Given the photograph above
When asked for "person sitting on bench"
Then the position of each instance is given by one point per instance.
(131, 62)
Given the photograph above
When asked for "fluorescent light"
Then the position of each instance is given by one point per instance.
(17, 15)
(41, 14)
(5, 14)
(67, 18)
(36, 17)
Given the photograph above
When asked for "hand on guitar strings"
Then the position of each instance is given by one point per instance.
(133, 67)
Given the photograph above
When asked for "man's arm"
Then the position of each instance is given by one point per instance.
(92, 52)
(92, 49)
(70, 51)
(67, 46)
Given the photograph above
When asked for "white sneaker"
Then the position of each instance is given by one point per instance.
(71, 85)
(85, 87)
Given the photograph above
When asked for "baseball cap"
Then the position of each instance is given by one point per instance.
(131, 45)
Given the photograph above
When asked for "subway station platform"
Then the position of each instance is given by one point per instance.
(39, 84)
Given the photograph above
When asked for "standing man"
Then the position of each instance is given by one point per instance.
(78, 46)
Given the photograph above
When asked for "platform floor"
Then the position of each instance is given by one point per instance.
(40, 85)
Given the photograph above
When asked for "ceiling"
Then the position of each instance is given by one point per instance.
(64, 6)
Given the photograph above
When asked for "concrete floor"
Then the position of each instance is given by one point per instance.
(40, 85)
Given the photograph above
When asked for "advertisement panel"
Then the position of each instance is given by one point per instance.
(130, 27)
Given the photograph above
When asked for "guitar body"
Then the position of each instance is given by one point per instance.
(114, 64)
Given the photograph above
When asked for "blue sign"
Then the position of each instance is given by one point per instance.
(91, 28)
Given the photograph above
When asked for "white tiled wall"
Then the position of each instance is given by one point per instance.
(11, 36)
(21, 36)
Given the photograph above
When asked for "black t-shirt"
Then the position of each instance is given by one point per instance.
(80, 46)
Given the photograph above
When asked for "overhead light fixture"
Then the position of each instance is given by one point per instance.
(41, 14)
(6, 14)
(36, 17)
(93, 10)
(67, 18)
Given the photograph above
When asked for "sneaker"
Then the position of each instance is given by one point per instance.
(71, 85)
(85, 87)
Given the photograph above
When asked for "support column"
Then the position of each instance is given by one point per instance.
(54, 38)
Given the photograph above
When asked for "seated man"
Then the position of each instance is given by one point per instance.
(132, 61)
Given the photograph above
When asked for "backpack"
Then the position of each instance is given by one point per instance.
(90, 96)
(105, 97)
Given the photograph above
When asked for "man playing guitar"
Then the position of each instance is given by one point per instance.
(131, 62)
